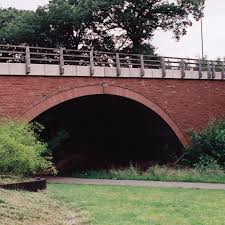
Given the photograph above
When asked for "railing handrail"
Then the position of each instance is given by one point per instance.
(63, 56)
(102, 52)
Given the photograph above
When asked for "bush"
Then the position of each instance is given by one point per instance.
(22, 153)
(207, 163)
(208, 147)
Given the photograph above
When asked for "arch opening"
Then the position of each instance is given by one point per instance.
(104, 131)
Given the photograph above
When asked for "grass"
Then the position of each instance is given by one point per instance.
(158, 173)
(25, 208)
(64, 204)
(6, 179)
(114, 205)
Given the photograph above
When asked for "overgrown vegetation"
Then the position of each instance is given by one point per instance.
(22, 153)
(207, 149)
(158, 173)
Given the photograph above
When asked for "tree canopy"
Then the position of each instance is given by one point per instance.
(122, 25)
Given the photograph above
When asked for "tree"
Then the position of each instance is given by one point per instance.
(22, 27)
(133, 22)
(67, 23)
(123, 25)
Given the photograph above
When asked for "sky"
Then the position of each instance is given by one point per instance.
(166, 45)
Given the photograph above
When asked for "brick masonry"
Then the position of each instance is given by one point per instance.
(189, 103)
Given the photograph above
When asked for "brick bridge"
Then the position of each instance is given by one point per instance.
(184, 93)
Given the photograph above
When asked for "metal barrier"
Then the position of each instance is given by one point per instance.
(63, 57)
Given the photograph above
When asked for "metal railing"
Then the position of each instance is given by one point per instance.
(63, 56)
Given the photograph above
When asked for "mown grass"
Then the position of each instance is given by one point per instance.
(157, 173)
(67, 204)
(114, 205)
(25, 208)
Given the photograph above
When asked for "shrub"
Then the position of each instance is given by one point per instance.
(21, 150)
(208, 146)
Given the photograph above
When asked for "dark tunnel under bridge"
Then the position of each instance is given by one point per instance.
(107, 131)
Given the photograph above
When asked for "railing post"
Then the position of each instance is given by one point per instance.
(91, 63)
(28, 61)
(118, 69)
(142, 66)
(199, 69)
(213, 71)
(209, 70)
(163, 67)
(61, 61)
(222, 70)
(182, 68)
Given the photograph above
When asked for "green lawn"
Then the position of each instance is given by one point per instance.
(114, 205)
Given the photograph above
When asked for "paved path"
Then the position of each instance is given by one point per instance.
(159, 184)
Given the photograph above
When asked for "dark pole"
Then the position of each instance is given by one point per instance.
(202, 35)
(202, 38)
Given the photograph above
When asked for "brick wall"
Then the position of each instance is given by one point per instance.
(190, 103)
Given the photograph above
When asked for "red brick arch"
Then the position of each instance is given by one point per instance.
(50, 101)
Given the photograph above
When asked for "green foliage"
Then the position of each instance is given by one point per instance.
(208, 146)
(138, 20)
(122, 25)
(18, 26)
(21, 151)
(207, 163)
(159, 173)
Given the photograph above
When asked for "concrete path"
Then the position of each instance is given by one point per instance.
(158, 184)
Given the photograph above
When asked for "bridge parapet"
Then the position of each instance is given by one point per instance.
(37, 61)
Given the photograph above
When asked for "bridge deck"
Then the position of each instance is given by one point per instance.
(36, 61)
